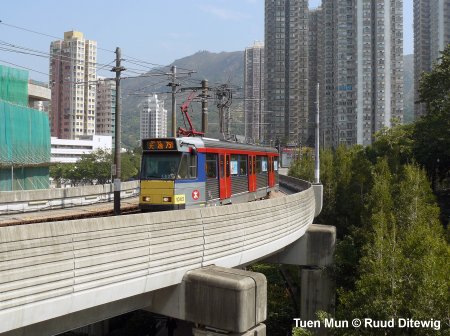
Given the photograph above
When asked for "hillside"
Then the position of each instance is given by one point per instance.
(217, 68)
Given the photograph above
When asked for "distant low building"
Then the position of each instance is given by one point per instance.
(39, 96)
(70, 151)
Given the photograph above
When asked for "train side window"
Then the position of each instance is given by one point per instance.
(211, 165)
(192, 166)
(227, 164)
(264, 164)
(234, 165)
(275, 164)
(243, 165)
(258, 164)
(183, 172)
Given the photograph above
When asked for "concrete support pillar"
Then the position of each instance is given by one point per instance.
(226, 299)
(317, 293)
(314, 252)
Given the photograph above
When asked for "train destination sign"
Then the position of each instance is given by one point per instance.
(159, 144)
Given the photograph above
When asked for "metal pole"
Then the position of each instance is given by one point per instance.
(204, 106)
(174, 102)
(117, 144)
(12, 177)
(317, 159)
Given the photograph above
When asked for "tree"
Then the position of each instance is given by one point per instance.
(58, 172)
(431, 133)
(396, 144)
(280, 309)
(130, 165)
(404, 270)
(95, 167)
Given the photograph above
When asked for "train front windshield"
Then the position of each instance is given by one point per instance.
(157, 165)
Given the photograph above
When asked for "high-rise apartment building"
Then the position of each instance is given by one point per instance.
(431, 35)
(363, 69)
(254, 93)
(153, 118)
(72, 81)
(105, 116)
(286, 75)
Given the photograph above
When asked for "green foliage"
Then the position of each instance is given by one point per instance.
(432, 144)
(280, 311)
(300, 332)
(391, 255)
(304, 166)
(432, 147)
(404, 269)
(345, 175)
(95, 168)
(395, 144)
(434, 87)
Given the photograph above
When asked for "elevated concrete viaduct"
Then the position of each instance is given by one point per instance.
(62, 275)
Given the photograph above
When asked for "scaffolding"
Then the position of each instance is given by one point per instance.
(14, 85)
(24, 136)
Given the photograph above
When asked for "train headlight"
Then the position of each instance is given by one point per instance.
(146, 198)
(167, 199)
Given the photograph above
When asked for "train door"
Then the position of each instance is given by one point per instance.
(271, 172)
(251, 173)
(224, 176)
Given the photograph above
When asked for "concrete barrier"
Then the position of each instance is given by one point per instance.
(55, 269)
(34, 200)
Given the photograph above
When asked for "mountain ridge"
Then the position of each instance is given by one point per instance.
(217, 68)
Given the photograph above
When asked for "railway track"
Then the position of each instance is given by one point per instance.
(128, 207)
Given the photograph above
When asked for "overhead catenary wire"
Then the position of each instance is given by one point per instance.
(153, 70)
(149, 69)
(23, 67)
(99, 48)
(38, 53)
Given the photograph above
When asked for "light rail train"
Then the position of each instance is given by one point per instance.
(188, 172)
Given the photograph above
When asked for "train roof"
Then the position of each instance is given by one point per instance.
(199, 142)
(215, 143)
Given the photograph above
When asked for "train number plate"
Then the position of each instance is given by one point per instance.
(180, 199)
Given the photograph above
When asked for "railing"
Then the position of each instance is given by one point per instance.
(43, 199)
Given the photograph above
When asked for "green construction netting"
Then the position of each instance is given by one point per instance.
(24, 135)
(14, 85)
(24, 178)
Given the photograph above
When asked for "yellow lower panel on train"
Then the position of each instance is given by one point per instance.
(157, 192)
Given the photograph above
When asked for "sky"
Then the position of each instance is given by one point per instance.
(155, 31)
